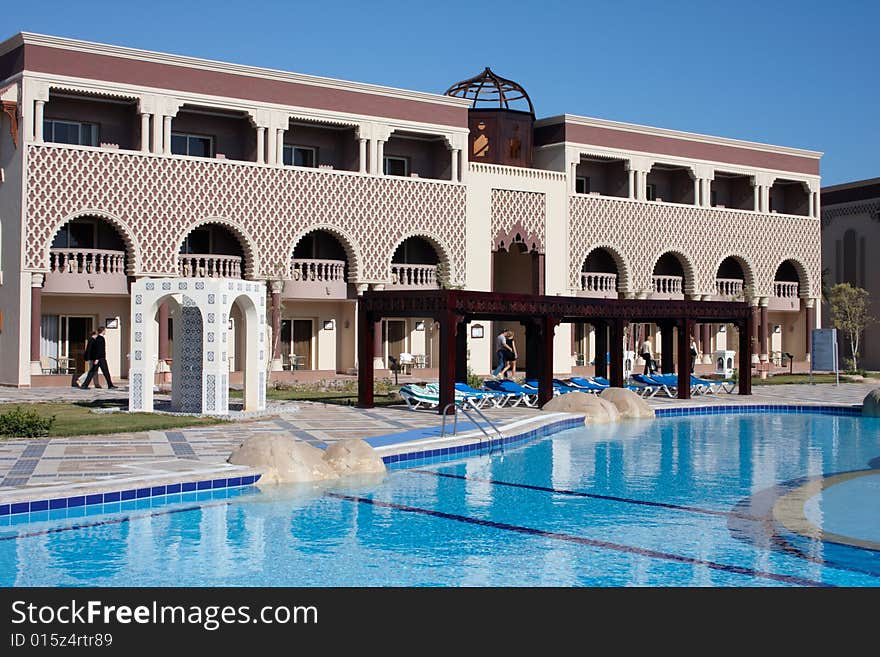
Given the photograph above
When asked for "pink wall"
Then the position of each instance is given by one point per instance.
(632, 141)
(167, 76)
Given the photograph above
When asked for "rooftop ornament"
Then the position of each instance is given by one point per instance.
(488, 90)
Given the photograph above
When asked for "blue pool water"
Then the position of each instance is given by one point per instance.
(674, 502)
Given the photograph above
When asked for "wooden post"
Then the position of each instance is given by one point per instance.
(447, 361)
(667, 361)
(601, 363)
(546, 329)
(744, 327)
(685, 330)
(366, 329)
(461, 345)
(616, 353)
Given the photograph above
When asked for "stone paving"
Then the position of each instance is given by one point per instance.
(27, 466)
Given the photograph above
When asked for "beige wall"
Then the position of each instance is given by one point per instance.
(100, 309)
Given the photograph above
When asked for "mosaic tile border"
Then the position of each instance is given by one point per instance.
(125, 495)
(442, 454)
(759, 408)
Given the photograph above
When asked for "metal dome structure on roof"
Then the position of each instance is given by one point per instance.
(490, 90)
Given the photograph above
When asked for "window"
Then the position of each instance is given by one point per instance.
(395, 166)
(300, 156)
(70, 132)
(194, 145)
(582, 185)
(650, 192)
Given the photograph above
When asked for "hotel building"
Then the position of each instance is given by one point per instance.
(119, 164)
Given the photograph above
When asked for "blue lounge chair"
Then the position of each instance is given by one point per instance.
(585, 384)
(519, 394)
(483, 397)
(715, 385)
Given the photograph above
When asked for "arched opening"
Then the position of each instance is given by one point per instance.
(87, 258)
(414, 265)
(730, 280)
(211, 251)
(668, 277)
(787, 280)
(187, 348)
(518, 268)
(250, 362)
(599, 275)
(319, 268)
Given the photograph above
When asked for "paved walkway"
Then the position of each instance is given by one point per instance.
(26, 464)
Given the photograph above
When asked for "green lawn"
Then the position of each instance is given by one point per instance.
(782, 379)
(341, 398)
(76, 419)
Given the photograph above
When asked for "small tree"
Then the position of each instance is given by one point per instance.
(849, 315)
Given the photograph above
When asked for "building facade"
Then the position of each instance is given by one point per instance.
(120, 164)
(850, 224)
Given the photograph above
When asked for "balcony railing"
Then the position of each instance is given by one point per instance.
(413, 276)
(785, 290)
(316, 279)
(86, 261)
(600, 284)
(729, 288)
(669, 285)
(207, 265)
(87, 271)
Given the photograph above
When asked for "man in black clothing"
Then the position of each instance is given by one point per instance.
(87, 358)
(98, 356)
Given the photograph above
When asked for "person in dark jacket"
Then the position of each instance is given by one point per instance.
(87, 358)
(98, 358)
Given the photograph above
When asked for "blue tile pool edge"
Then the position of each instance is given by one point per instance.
(133, 494)
(443, 454)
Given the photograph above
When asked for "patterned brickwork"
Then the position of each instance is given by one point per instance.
(640, 232)
(517, 212)
(870, 208)
(156, 201)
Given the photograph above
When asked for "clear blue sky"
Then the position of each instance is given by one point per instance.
(793, 73)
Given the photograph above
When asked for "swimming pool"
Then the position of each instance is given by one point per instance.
(718, 500)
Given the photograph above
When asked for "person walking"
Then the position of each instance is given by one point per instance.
(87, 360)
(501, 349)
(511, 355)
(98, 358)
(647, 355)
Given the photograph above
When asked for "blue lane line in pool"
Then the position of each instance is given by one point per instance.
(581, 540)
(758, 408)
(595, 496)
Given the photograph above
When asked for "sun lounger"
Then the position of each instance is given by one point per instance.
(585, 385)
(519, 393)
(417, 397)
(715, 385)
(483, 397)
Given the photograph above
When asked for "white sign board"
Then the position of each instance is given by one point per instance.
(823, 355)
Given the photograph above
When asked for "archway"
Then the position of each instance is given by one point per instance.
(212, 250)
(600, 274)
(253, 354)
(671, 277)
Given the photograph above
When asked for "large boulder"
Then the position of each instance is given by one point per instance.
(353, 456)
(628, 403)
(283, 459)
(595, 409)
(871, 405)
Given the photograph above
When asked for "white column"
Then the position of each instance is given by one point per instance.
(698, 189)
(757, 191)
(145, 132)
(572, 179)
(157, 132)
(380, 157)
(271, 148)
(279, 147)
(166, 135)
(38, 121)
(362, 155)
(632, 183)
(261, 145)
(812, 200)
(765, 198)
(454, 176)
(817, 209)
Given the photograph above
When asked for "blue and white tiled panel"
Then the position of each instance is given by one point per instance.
(130, 495)
(765, 408)
(443, 454)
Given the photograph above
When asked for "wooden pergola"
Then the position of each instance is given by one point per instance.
(454, 309)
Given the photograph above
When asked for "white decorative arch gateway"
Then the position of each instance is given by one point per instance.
(200, 367)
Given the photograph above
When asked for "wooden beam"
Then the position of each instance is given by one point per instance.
(616, 353)
(744, 327)
(685, 331)
(546, 331)
(600, 361)
(448, 320)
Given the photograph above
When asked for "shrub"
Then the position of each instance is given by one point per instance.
(474, 380)
(20, 423)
